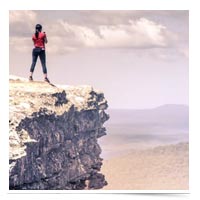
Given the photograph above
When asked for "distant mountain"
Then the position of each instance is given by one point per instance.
(172, 108)
(166, 115)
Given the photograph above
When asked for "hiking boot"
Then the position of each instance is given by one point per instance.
(46, 80)
(30, 78)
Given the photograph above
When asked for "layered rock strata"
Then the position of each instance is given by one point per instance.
(53, 136)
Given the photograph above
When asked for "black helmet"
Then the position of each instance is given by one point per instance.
(38, 27)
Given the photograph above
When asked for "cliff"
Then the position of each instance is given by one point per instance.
(53, 136)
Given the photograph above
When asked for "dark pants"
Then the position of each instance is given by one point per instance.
(41, 53)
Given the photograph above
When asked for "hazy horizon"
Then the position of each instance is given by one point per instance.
(158, 106)
(141, 129)
(139, 59)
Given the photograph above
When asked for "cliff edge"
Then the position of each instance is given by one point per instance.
(53, 136)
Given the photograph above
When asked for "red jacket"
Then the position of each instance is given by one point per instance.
(40, 41)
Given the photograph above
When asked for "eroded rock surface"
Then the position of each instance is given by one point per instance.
(53, 136)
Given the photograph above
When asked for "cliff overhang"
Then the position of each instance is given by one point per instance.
(53, 136)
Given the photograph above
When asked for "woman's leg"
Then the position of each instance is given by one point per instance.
(34, 60)
(43, 62)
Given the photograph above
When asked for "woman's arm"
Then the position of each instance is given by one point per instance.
(45, 38)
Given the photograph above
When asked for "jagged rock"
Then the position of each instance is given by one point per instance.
(53, 136)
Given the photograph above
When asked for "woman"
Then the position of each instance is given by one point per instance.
(39, 40)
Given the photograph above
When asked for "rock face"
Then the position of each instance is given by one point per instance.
(53, 136)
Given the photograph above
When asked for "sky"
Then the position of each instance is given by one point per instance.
(139, 59)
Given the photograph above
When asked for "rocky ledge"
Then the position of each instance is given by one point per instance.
(53, 136)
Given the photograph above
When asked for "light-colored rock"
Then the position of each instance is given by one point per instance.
(53, 136)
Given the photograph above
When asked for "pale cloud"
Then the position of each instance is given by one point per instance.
(93, 18)
(92, 29)
(22, 23)
(82, 35)
(20, 44)
(25, 16)
(141, 33)
(59, 46)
